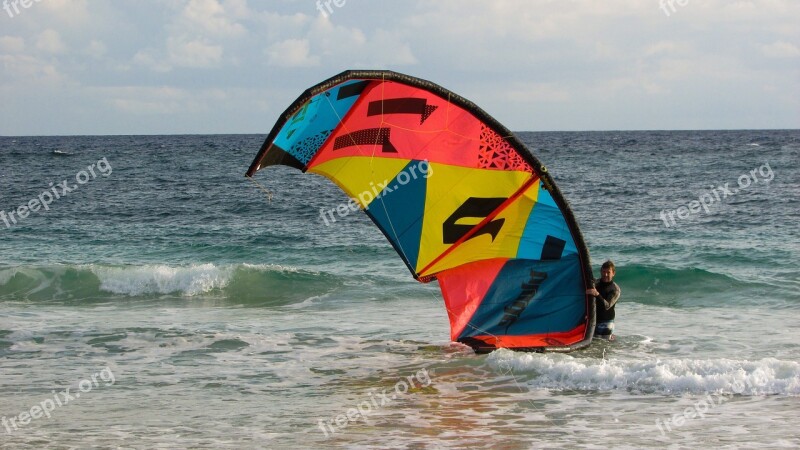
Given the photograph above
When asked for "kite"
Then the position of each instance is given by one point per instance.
(458, 196)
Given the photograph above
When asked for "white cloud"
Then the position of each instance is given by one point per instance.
(194, 53)
(96, 49)
(181, 52)
(12, 44)
(28, 70)
(338, 43)
(291, 53)
(49, 41)
(69, 12)
(147, 59)
(237, 8)
(275, 26)
(197, 35)
(662, 47)
(161, 100)
(562, 62)
(781, 49)
(210, 17)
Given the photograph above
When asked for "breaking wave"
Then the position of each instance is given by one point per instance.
(241, 283)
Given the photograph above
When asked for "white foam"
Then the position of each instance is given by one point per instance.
(272, 268)
(160, 279)
(6, 275)
(43, 280)
(307, 302)
(668, 376)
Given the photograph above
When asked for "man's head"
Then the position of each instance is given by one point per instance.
(607, 271)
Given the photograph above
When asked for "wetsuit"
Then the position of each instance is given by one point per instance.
(609, 294)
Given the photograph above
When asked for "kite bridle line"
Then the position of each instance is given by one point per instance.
(266, 191)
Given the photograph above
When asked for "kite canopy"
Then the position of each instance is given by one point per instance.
(459, 197)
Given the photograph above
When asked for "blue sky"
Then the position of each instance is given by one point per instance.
(231, 66)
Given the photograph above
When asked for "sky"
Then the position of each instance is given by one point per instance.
(80, 67)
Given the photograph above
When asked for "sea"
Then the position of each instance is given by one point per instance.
(152, 296)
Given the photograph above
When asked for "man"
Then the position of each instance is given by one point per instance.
(606, 293)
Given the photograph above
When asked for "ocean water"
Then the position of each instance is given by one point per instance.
(165, 301)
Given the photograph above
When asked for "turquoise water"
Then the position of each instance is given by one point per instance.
(231, 321)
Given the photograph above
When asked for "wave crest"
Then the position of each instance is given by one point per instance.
(243, 283)
(671, 376)
(140, 280)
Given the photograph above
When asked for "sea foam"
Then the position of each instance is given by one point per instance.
(161, 279)
(666, 376)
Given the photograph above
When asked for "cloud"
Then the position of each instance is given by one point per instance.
(197, 35)
(181, 53)
(554, 64)
(210, 17)
(339, 44)
(237, 8)
(148, 59)
(11, 44)
(781, 49)
(96, 49)
(69, 12)
(194, 53)
(161, 100)
(291, 53)
(27, 70)
(49, 41)
(662, 47)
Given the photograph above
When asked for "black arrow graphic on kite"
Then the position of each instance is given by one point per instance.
(473, 207)
(369, 136)
(406, 105)
(352, 90)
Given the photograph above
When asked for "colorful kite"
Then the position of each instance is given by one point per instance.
(459, 197)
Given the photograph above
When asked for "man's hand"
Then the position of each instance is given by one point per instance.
(593, 292)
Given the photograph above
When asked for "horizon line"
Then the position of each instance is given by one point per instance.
(518, 131)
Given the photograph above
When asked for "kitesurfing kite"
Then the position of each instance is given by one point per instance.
(460, 198)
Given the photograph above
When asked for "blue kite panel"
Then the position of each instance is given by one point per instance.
(545, 221)
(547, 296)
(398, 211)
(307, 130)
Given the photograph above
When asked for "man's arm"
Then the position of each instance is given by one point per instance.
(610, 302)
(593, 292)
